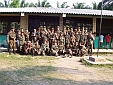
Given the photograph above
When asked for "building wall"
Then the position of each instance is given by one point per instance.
(107, 26)
(24, 21)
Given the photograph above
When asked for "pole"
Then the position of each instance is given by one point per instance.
(100, 29)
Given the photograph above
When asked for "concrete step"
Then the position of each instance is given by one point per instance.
(103, 50)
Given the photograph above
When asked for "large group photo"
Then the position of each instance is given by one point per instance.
(51, 42)
(56, 42)
(44, 41)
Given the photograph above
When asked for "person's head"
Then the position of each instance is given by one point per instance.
(19, 32)
(58, 28)
(45, 28)
(71, 29)
(83, 29)
(34, 30)
(28, 42)
(75, 30)
(78, 28)
(48, 29)
(90, 32)
(12, 29)
(52, 30)
(26, 30)
(64, 28)
(22, 30)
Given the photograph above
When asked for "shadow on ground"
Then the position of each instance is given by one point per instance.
(37, 75)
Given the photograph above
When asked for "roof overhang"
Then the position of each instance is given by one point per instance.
(35, 10)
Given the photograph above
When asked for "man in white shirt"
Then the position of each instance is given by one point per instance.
(101, 40)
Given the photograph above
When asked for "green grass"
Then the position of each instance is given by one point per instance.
(17, 68)
(97, 65)
(109, 59)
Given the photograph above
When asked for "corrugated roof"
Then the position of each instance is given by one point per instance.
(56, 11)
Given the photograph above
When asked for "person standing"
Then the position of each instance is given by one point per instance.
(12, 41)
(22, 40)
(101, 40)
(18, 40)
(107, 38)
(90, 39)
(27, 33)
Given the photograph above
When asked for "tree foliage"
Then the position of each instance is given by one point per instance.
(23, 3)
(95, 5)
(80, 6)
(63, 5)
(44, 3)
(107, 4)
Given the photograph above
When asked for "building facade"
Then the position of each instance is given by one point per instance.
(30, 18)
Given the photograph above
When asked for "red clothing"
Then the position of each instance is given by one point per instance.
(107, 37)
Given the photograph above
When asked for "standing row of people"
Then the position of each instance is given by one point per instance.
(107, 40)
(44, 41)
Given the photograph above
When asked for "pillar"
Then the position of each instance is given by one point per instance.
(94, 24)
(61, 22)
(24, 21)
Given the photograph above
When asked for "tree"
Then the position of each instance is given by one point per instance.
(107, 5)
(30, 5)
(44, 3)
(80, 6)
(95, 5)
(23, 3)
(63, 5)
(87, 7)
(5, 4)
(1, 4)
(15, 4)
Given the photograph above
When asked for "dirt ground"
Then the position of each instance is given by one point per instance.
(68, 71)
(79, 74)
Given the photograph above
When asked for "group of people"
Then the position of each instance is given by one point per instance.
(46, 41)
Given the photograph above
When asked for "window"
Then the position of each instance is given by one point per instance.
(8, 22)
(77, 22)
(3, 27)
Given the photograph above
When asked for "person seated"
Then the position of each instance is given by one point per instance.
(35, 47)
(68, 52)
(27, 47)
(54, 49)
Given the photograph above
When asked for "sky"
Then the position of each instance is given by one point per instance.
(70, 2)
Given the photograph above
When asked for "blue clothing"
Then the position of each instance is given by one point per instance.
(101, 38)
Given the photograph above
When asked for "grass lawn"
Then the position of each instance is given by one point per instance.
(19, 69)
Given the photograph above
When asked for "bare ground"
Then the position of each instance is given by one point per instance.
(72, 69)
(69, 71)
